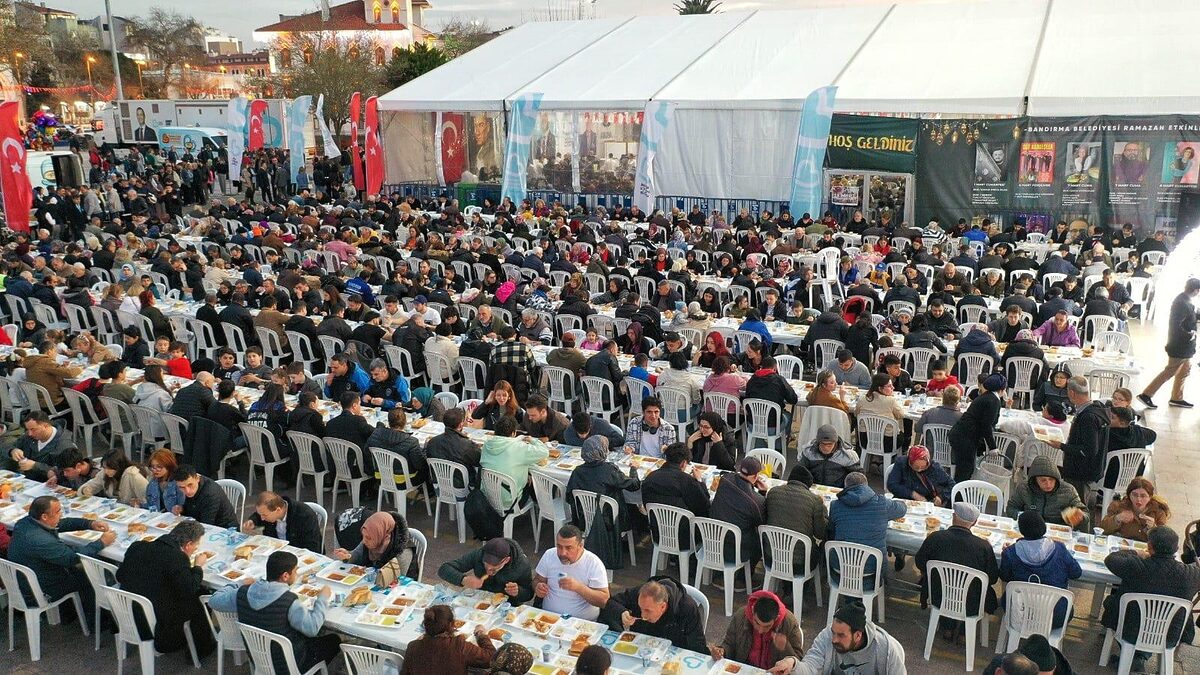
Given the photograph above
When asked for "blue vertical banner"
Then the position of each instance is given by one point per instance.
(655, 121)
(813, 137)
(235, 129)
(297, 118)
(522, 121)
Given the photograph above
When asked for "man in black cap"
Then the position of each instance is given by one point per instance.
(1156, 572)
(1045, 656)
(499, 566)
(739, 501)
(851, 644)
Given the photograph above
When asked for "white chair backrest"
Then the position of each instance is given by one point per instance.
(549, 493)
(322, 519)
(937, 439)
(956, 582)
(876, 427)
(259, 643)
(638, 390)
(666, 520)
(445, 472)
(918, 360)
(308, 447)
(1029, 607)
(1113, 341)
(1128, 461)
(852, 563)
(1020, 371)
(1103, 382)
(979, 493)
(971, 366)
(773, 461)
(601, 396)
(370, 661)
(235, 492)
(1156, 613)
(783, 543)
(790, 367)
(762, 415)
(422, 545)
(121, 604)
(712, 536)
(701, 600)
(340, 452)
(825, 353)
(261, 443)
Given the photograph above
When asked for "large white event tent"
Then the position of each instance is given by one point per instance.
(739, 79)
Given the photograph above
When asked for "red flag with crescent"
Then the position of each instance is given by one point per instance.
(454, 151)
(374, 148)
(18, 192)
(258, 108)
(356, 166)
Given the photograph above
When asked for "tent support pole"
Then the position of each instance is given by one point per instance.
(1037, 56)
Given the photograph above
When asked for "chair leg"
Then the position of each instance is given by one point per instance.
(379, 500)
(971, 628)
(1166, 662)
(462, 522)
(96, 625)
(354, 487)
(11, 611)
(797, 597)
(191, 643)
(269, 476)
(1105, 649)
(1126, 662)
(833, 599)
(654, 554)
(1098, 598)
(930, 630)
(437, 515)
(220, 658)
(121, 654)
(299, 484)
(425, 491)
(146, 656)
(730, 574)
(33, 629)
(882, 602)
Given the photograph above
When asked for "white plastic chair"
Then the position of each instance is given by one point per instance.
(445, 472)
(1155, 613)
(263, 453)
(852, 563)
(1096, 324)
(322, 519)
(235, 492)
(711, 555)
(474, 374)
(1128, 462)
(955, 582)
(308, 448)
(259, 643)
(443, 376)
(638, 391)
(790, 367)
(228, 637)
(728, 406)
(773, 461)
(302, 349)
(676, 409)
(936, 437)
(825, 353)
(273, 352)
(876, 428)
(84, 419)
(764, 420)
(494, 484)
(549, 493)
(1028, 611)
(702, 600)
(591, 504)
(816, 416)
(782, 543)
(978, 493)
(970, 366)
(122, 604)
(918, 360)
(1020, 371)
(1102, 382)
(601, 398)
(370, 661)
(562, 387)
(666, 521)
(1113, 341)
(389, 465)
(10, 572)
(422, 546)
(100, 575)
(340, 452)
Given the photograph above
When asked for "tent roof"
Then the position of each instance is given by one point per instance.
(1117, 57)
(482, 78)
(627, 67)
(966, 57)
(762, 65)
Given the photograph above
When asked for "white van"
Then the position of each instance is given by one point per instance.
(193, 139)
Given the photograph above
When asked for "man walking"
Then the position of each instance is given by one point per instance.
(1180, 347)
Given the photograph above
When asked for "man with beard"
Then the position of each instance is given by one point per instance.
(851, 644)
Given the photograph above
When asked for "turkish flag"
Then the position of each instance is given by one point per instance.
(18, 193)
(258, 107)
(454, 149)
(355, 151)
(374, 148)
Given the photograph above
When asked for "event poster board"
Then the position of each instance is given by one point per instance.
(1106, 169)
(880, 143)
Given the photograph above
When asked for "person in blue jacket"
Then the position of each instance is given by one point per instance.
(37, 545)
(860, 516)
(345, 375)
(917, 477)
(388, 388)
(753, 323)
(1035, 558)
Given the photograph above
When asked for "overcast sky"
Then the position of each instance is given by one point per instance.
(240, 18)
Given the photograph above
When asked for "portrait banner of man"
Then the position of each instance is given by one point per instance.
(484, 147)
(1130, 161)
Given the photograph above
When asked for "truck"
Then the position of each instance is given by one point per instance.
(142, 122)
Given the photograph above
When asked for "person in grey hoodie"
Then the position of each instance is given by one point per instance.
(850, 644)
(270, 604)
(860, 516)
(828, 458)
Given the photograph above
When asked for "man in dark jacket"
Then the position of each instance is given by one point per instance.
(162, 572)
(36, 453)
(672, 484)
(236, 314)
(583, 426)
(499, 566)
(135, 349)
(1180, 347)
(828, 326)
(194, 399)
(208, 314)
(350, 425)
(283, 518)
(767, 384)
(204, 501)
(960, 546)
(1083, 452)
(860, 516)
(454, 446)
(659, 608)
(739, 502)
(36, 544)
(942, 322)
(345, 376)
(1159, 573)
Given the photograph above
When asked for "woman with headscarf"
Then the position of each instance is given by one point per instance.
(31, 331)
(426, 405)
(707, 443)
(972, 435)
(511, 659)
(385, 547)
(697, 319)
(601, 476)
(442, 650)
(632, 342)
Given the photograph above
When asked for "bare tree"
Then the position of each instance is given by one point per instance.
(170, 40)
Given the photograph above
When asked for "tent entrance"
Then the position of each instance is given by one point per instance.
(872, 192)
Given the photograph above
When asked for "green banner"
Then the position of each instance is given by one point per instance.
(880, 143)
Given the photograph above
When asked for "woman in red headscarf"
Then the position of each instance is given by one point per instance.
(714, 346)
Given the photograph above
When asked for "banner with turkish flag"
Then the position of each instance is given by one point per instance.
(356, 166)
(18, 193)
(454, 150)
(374, 148)
(258, 108)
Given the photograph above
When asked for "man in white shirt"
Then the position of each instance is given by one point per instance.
(421, 306)
(392, 316)
(570, 579)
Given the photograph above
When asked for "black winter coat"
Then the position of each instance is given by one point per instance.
(682, 623)
(161, 572)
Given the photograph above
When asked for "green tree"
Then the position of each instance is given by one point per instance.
(409, 64)
(170, 39)
(697, 7)
(460, 36)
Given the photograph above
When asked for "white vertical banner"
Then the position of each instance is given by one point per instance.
(812, 140)
(522, 123)
(439, 165)
(655, 121)
(575, 131)
(235, 128)
(327, 142)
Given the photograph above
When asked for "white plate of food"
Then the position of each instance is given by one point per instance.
(347, 575)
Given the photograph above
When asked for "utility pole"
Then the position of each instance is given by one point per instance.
(112, 45)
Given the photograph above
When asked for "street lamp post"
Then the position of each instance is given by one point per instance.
(141, 85)
(17, 62)
(92, 93)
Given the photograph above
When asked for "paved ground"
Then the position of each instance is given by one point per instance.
(1177, 461)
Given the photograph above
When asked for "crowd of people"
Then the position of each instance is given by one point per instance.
(448, 284)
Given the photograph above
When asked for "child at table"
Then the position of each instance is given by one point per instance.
(178, 365)
(639, 370)
(592, 341)
(939, 378)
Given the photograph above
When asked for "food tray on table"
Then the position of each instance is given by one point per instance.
(383, 615)
(1045, 434)
(727, 667)
(578, 632)
(347, 575)
(478, 599)
(306, 561)
(10, 512)
(120, 514)
(414, 595)
(84, 536)
(236, 571)
(533, 620)
(559, 665)
(629, 643)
